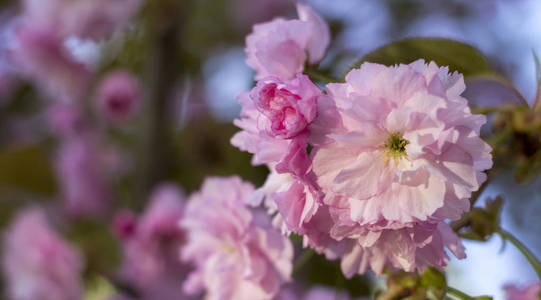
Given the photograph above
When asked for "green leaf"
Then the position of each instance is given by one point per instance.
(458, 56)
(433, 278)
(27, 168)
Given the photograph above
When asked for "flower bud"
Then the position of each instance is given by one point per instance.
(118, 96)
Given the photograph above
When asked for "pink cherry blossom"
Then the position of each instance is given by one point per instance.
(151, 245)
(409, 248)
(291, 200)
(275, 118)
(118, 95)
(288, 106)
(408, 150)
(280, 47)
(530, 292)
(38, 263)
(236, 251)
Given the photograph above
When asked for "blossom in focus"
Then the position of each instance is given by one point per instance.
(80, 173)
(38, 263)
(276, 118)
(288, 106)
(152, 243)
(291, 200)
(410, 248)
(530, 292)
(236, 251)
(281, 47)
(275, 115)
(118, 95)
(404, 158)
(409, 150)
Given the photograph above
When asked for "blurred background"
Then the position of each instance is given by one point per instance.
(185, 60)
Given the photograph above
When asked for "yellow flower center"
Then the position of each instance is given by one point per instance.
(395, 146)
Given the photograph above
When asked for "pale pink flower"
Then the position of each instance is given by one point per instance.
(288, 107)
(410, 248)
(405, 156)
(38, 263)
(152, 243)
(530, 292)
(291, 200)
(408, 150)
(275, 118)
(118, 96)
(236, 252)
(280, 47)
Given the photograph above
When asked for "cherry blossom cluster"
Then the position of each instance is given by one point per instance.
(369, 170)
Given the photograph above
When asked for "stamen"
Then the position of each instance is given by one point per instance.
(395, 147)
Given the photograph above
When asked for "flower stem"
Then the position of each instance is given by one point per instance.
(523, 249)
(458, 294)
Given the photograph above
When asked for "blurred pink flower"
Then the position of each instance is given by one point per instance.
(152, 243)
(38, 263)
(409, 149)
(40, 49)
(86, 19)
(41, 55)
(98, 19)
(530, 292)
(280, 47)
(118, 95)
(236, 252)
(80, 174)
